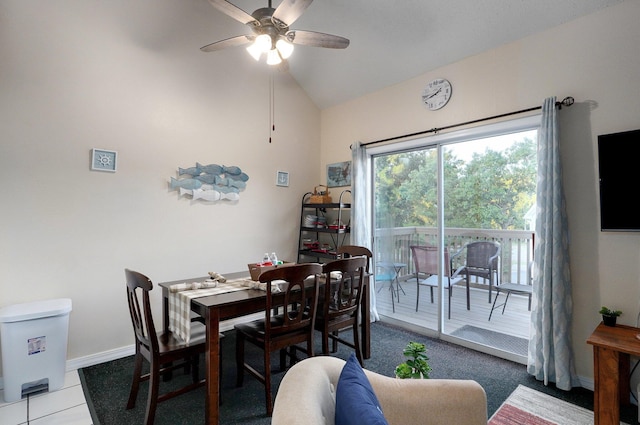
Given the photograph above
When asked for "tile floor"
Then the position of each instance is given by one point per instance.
(66, 406)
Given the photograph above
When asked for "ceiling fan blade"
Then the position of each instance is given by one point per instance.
(317, 39)
(234, 11)
(290, 10)
(229, 42)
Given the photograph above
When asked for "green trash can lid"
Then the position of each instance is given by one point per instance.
(35, 310)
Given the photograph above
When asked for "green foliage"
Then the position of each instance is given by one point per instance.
(417, 364)
(607, 312)
(492, 190)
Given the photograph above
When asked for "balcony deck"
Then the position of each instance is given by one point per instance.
(514, 322)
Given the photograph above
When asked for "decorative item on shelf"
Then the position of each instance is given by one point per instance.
(337, 225)
(324, 248)
(609, 317)
(310, 220)
(321, 222)
(320, 196)
(310, 244)
(210, 182)
(417, 365)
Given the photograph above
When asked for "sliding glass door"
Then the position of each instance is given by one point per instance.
(441, 194)
(405, 205)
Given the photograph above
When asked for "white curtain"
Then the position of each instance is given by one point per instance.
(360, 222)
(550, 356)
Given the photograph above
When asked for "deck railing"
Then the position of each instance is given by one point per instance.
(392, 244)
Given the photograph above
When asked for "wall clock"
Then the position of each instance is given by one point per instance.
(436, 94)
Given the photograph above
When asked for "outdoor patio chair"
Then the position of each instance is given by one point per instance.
(425, 260)
(514, 288)
(387, 271)
(482, 260)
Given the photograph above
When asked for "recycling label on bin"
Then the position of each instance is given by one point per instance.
(37, 345)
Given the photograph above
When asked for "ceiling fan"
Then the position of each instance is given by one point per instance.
(271, 33)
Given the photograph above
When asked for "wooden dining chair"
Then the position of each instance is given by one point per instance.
(296, 304)
(344, 287)
(346, 251)
(164, 351)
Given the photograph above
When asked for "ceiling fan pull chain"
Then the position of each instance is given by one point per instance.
(272, 125)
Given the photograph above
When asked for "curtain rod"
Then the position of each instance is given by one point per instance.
(567, 101)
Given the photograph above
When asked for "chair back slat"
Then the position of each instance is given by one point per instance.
(138, 287)
(346, 251)
(297, 301)
(343, 294)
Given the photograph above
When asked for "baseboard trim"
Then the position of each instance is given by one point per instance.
(129, 350)
(102, 357)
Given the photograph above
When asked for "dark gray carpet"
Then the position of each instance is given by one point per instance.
(107, 385)
(503, 342)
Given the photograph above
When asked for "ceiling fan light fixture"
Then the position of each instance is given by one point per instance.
(285, 48)
(263, 42)
(273, 57)
(255, 51)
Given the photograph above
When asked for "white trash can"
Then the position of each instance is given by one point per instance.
(34, 346)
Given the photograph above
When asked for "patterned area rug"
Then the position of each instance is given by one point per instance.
(531, 407)
(510, 343)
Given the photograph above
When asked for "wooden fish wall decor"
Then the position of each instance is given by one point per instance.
(211, 182)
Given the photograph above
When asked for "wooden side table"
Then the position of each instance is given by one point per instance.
(612, 347)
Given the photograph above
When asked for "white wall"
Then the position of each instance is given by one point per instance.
(129, 76)
(593, 59)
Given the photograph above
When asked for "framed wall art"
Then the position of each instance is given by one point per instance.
(339, 174)
(282, 178)
(104, 160)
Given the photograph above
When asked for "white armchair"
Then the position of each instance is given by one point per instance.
(307, 396)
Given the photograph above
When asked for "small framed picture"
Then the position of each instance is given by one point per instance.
(104, 160)
(282, 178)
(339, 174)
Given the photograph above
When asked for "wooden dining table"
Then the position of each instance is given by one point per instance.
(214, 309)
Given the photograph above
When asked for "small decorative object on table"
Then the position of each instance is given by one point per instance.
(609, 316)
(417, 365)
(217, 277)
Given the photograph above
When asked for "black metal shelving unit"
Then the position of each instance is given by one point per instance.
(340, 212)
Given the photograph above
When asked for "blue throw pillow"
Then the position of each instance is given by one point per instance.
(356, 403)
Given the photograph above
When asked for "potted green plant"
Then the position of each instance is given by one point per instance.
(609, 316)
(417, 364)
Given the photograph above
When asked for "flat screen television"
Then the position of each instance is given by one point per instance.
(619, 168)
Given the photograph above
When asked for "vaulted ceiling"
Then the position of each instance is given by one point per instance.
(392, 41)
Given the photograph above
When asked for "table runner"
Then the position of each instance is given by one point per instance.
(181, 294)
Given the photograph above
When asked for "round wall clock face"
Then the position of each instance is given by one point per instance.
(436, 94)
